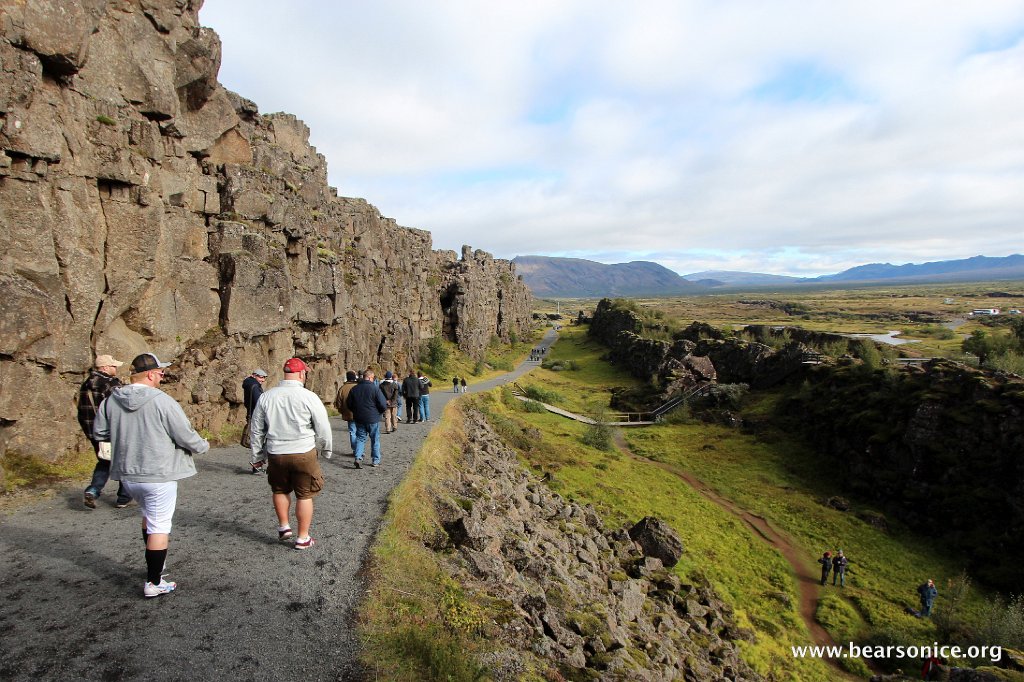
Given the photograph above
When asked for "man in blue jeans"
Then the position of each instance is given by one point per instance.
(424, 396)
(367, 404)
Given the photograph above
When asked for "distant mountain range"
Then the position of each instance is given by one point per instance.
(579, 278)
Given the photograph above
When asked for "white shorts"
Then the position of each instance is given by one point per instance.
(156, 503)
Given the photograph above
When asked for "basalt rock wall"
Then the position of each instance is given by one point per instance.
(940, 447)
(144, 207)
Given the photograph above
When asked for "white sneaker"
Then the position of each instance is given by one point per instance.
(151, 590)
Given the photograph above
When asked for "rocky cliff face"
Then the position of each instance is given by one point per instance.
(146, 208)
(601, 604)
(941, 447)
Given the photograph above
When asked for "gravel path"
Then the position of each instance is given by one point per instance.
(247, 607)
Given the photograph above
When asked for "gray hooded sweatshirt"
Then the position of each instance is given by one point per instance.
(152, 441)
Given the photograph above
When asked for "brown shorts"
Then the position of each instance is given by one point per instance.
(296, 473)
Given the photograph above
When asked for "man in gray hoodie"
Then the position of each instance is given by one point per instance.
(152, 444)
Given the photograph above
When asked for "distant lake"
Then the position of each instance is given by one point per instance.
(892, 338)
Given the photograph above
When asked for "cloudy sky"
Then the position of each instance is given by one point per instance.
(790, 137)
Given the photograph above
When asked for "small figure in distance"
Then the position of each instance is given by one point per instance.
(252, 389)
(462, 383)
(424, 396)
(826, 566)
(839, 563)
(411, 393)
(927, 593)
(389, 387)
(289, 425)
(455, 384)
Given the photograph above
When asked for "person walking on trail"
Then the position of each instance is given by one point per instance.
(367, 403)
(927, 593)
(391, 390)
(341, 402)
(455, 384)
(839, 563)
(826, 566)
(424, 396)
(152, 446)
(289, 425)
(462, 384)
(411, 393)
(100, 383)
(252, 389)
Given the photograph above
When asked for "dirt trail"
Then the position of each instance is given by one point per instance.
(807, 576)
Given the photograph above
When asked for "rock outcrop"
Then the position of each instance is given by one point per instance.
(144, 207)
(940, 447)
(597, 603)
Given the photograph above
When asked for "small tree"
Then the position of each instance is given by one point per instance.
(435, 353)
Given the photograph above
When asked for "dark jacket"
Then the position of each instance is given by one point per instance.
(92, 392)
(252, 389)
(839, 563)
(341, 402)
(390, 390)
(366, 402)
(411, 387)
(425, 386)
(928, 593)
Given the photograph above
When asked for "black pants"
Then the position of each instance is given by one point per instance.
(412, 409)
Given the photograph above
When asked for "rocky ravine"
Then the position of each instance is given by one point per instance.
(600, 604)
(145, 207)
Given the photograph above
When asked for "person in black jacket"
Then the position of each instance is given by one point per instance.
(390, 388)
(411, 393)
(252, 389)
(94, 390)
(826, 566)
(839, 562)
(367, 404)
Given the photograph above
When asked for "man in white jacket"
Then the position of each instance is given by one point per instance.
(152, 444)
(288, 426)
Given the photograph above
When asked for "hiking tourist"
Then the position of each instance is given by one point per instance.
(839, 563)
(340, 402)
(367, 403)
(424, 396)
(927, 593)
(100, 383)
(289, 425)
(411, 393)
(455, 384)
(462, 384)
(826, 565)
(152, 446)
(252, 389)
(392, 394)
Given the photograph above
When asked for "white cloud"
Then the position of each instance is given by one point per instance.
(780, 137)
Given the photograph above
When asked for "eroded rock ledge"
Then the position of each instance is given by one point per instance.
(587, 598)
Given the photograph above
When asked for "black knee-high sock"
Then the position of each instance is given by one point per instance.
(155, 564)
(145, 536)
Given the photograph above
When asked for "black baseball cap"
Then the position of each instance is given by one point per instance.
(146, 363)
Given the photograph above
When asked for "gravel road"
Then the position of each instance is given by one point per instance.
(247, 607)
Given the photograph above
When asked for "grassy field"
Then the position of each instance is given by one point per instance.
(769, 474)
